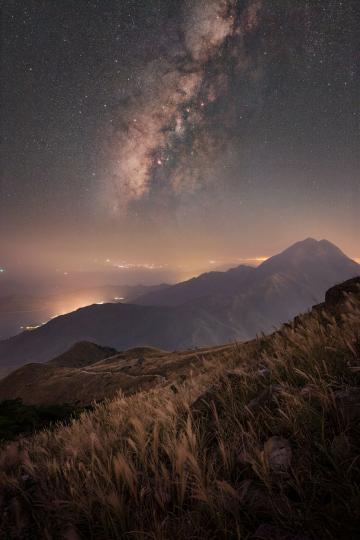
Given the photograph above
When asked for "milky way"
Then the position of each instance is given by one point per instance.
(176, 131)
(167, 136)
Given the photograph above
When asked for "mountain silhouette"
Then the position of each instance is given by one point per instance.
(198, 287)
(212, 309)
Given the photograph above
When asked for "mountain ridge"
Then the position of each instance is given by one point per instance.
(88, 372)
(252, 301)
(21, 310)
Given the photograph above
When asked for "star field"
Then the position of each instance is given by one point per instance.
(179, 129)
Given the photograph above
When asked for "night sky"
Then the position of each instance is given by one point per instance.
(181, 134)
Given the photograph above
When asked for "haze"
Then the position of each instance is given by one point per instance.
(209, 141)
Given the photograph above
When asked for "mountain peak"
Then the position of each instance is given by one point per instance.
(309, 240)
(83, 353)
(310, 256)
(310, 246)
(312, 243)
(328, 244)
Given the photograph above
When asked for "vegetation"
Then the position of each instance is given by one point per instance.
(16, 418)
(264, 444)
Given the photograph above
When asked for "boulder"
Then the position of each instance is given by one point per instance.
(278, 454)
(337, 295)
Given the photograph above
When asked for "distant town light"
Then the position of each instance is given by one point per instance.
(30, 328)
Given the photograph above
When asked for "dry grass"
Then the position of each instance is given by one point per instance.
(79, 385)
(164, 465)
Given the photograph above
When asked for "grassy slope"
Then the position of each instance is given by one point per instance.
(195, 463)
(17, 418)
(131, 371)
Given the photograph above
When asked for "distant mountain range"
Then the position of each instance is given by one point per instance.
(226, 283)
(211, 309)
(88, 372)
(19, 310)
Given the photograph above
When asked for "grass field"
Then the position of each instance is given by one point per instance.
(261, 442)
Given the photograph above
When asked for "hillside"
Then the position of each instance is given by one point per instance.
(262, 443)
(313, 265)
(119, 326)
(216, 308)
(202, 286)
(88, 372)
(262, 298)
(57, 382)
(130, 371)
(82, 354)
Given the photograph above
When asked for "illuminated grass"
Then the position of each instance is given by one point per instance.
(190, 463)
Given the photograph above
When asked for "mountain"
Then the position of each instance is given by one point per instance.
(217, 308)
(84, 381)
(198, 287)
(83, 353)
(285, 285)
(17, 311)
(260, 443)
(82, 384)
(274, 292)
(310, 264)
(120, 326)
(88, 372)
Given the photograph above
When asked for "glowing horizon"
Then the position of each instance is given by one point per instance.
(209, 145)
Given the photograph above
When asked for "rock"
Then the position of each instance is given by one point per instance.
(337, 295)
(278, 454)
